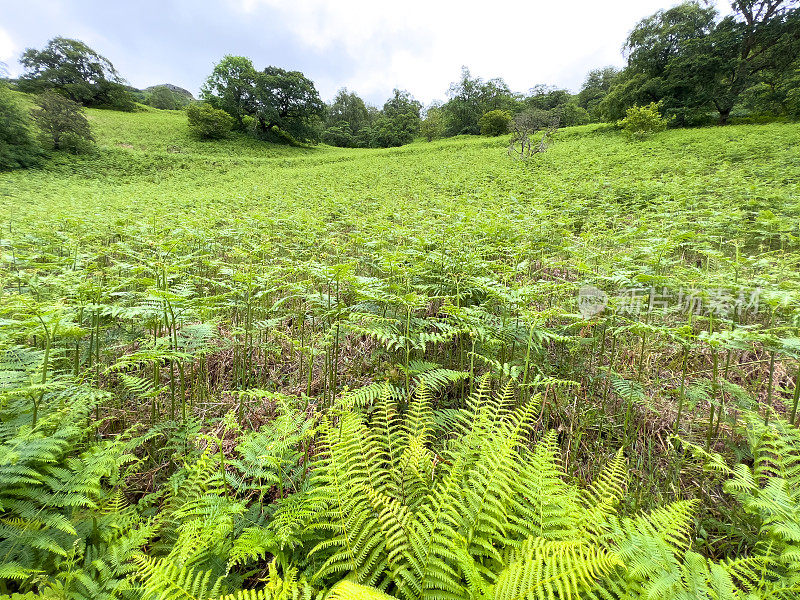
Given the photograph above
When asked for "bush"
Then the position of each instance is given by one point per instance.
(62, 124)
(643, 120)
(208, 122)
(18, 147)
(495, 122)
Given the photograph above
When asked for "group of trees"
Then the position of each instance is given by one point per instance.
(271, 103)
(56, 123)
(689, 61)
(276, 103)
(166, 97)
(474, 107)
(352, 123)
(696, 64)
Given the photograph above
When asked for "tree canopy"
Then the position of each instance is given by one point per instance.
(691, 62)
(231, 87)
(471, 97)
(289, 101)
(75, 71)
(272, 98)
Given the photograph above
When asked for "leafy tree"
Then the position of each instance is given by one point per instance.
(348, 118)
(595, 88)
(18, 147)
(61, 123)
(572, 114)
(208, 122)
(774, 93)
(470, 98)
(691, 63)
(166, 99)
(495, 122)
(763, 36)
(289, 101)
(339, 135)
(77, 72)
(545, 97)
(231, 87)
(398, 122)
(432, 126)
(549, 99)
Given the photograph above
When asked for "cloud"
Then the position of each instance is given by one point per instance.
(7, 48)
(420, 45)
(368, 46)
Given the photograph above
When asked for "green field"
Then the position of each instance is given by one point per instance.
(233, 314)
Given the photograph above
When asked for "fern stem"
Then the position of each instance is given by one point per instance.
(796, 395)
(682, 393)
(769, 386)
(714, 387)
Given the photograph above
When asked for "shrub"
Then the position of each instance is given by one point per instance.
(17, 145)
(62, 124)
(643, 120)
(495, 122)
(208, 122)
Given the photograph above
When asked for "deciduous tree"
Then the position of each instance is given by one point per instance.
(231, 87)
(61, 123)
(77, 72)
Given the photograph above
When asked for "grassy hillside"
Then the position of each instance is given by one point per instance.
(163, 283)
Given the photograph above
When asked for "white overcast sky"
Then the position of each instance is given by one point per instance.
(368, 46)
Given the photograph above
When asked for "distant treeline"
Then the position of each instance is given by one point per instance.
(698, 67)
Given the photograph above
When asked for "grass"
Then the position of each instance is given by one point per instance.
(185, 273)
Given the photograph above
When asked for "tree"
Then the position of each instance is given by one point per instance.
(470, 98)
(691, 63)
(432, 126)
(231, 87)
(398, 122)
(595, 88)
(208, 122)
(348, 121)
(761, 37)
(347, 107)
(495, 122)
(289, 101)
(77, 72)
(61, 123)
(18, 148)
(572, 114)
(525, 125)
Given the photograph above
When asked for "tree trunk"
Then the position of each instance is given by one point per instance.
(723, 115)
